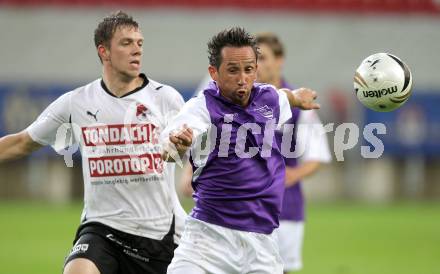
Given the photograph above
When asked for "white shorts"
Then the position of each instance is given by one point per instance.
(207, 248)
(290, 241)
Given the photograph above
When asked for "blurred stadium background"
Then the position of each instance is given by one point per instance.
(364, 215)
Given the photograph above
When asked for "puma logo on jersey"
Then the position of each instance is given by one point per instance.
(93, 115)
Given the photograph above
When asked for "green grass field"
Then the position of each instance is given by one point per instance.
(341, 238)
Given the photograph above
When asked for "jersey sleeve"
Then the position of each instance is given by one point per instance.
(53, 123)
(311, 135)
(194, 114)
(285, 110)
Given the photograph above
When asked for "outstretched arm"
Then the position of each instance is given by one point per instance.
(43, 130)
(16, 145)
(304, 98)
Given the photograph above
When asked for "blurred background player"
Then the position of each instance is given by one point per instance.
(237, 194)
(311, 141)
(130, 204)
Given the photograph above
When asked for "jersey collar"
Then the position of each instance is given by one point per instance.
(144, 84)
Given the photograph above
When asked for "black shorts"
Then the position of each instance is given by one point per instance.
(117, 252)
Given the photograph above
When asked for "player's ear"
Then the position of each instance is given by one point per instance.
(213, 72)
(103, 53)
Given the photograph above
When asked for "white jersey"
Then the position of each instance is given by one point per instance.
(127, 186)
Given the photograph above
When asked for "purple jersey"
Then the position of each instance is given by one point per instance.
(243, 193)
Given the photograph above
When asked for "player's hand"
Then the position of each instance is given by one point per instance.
(304, 98)
(179, 143)
(182, 139)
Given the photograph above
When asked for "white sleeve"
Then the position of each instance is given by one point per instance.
(312, 137)
(194, 114)
(54, 119)
(285, 110)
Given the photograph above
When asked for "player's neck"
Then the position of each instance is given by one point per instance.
(277, 82)
(119, 85)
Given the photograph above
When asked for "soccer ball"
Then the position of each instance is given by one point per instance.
(383, 82)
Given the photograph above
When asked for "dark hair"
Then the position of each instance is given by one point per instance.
(272, 41)
(107, 27)
(234, 37)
